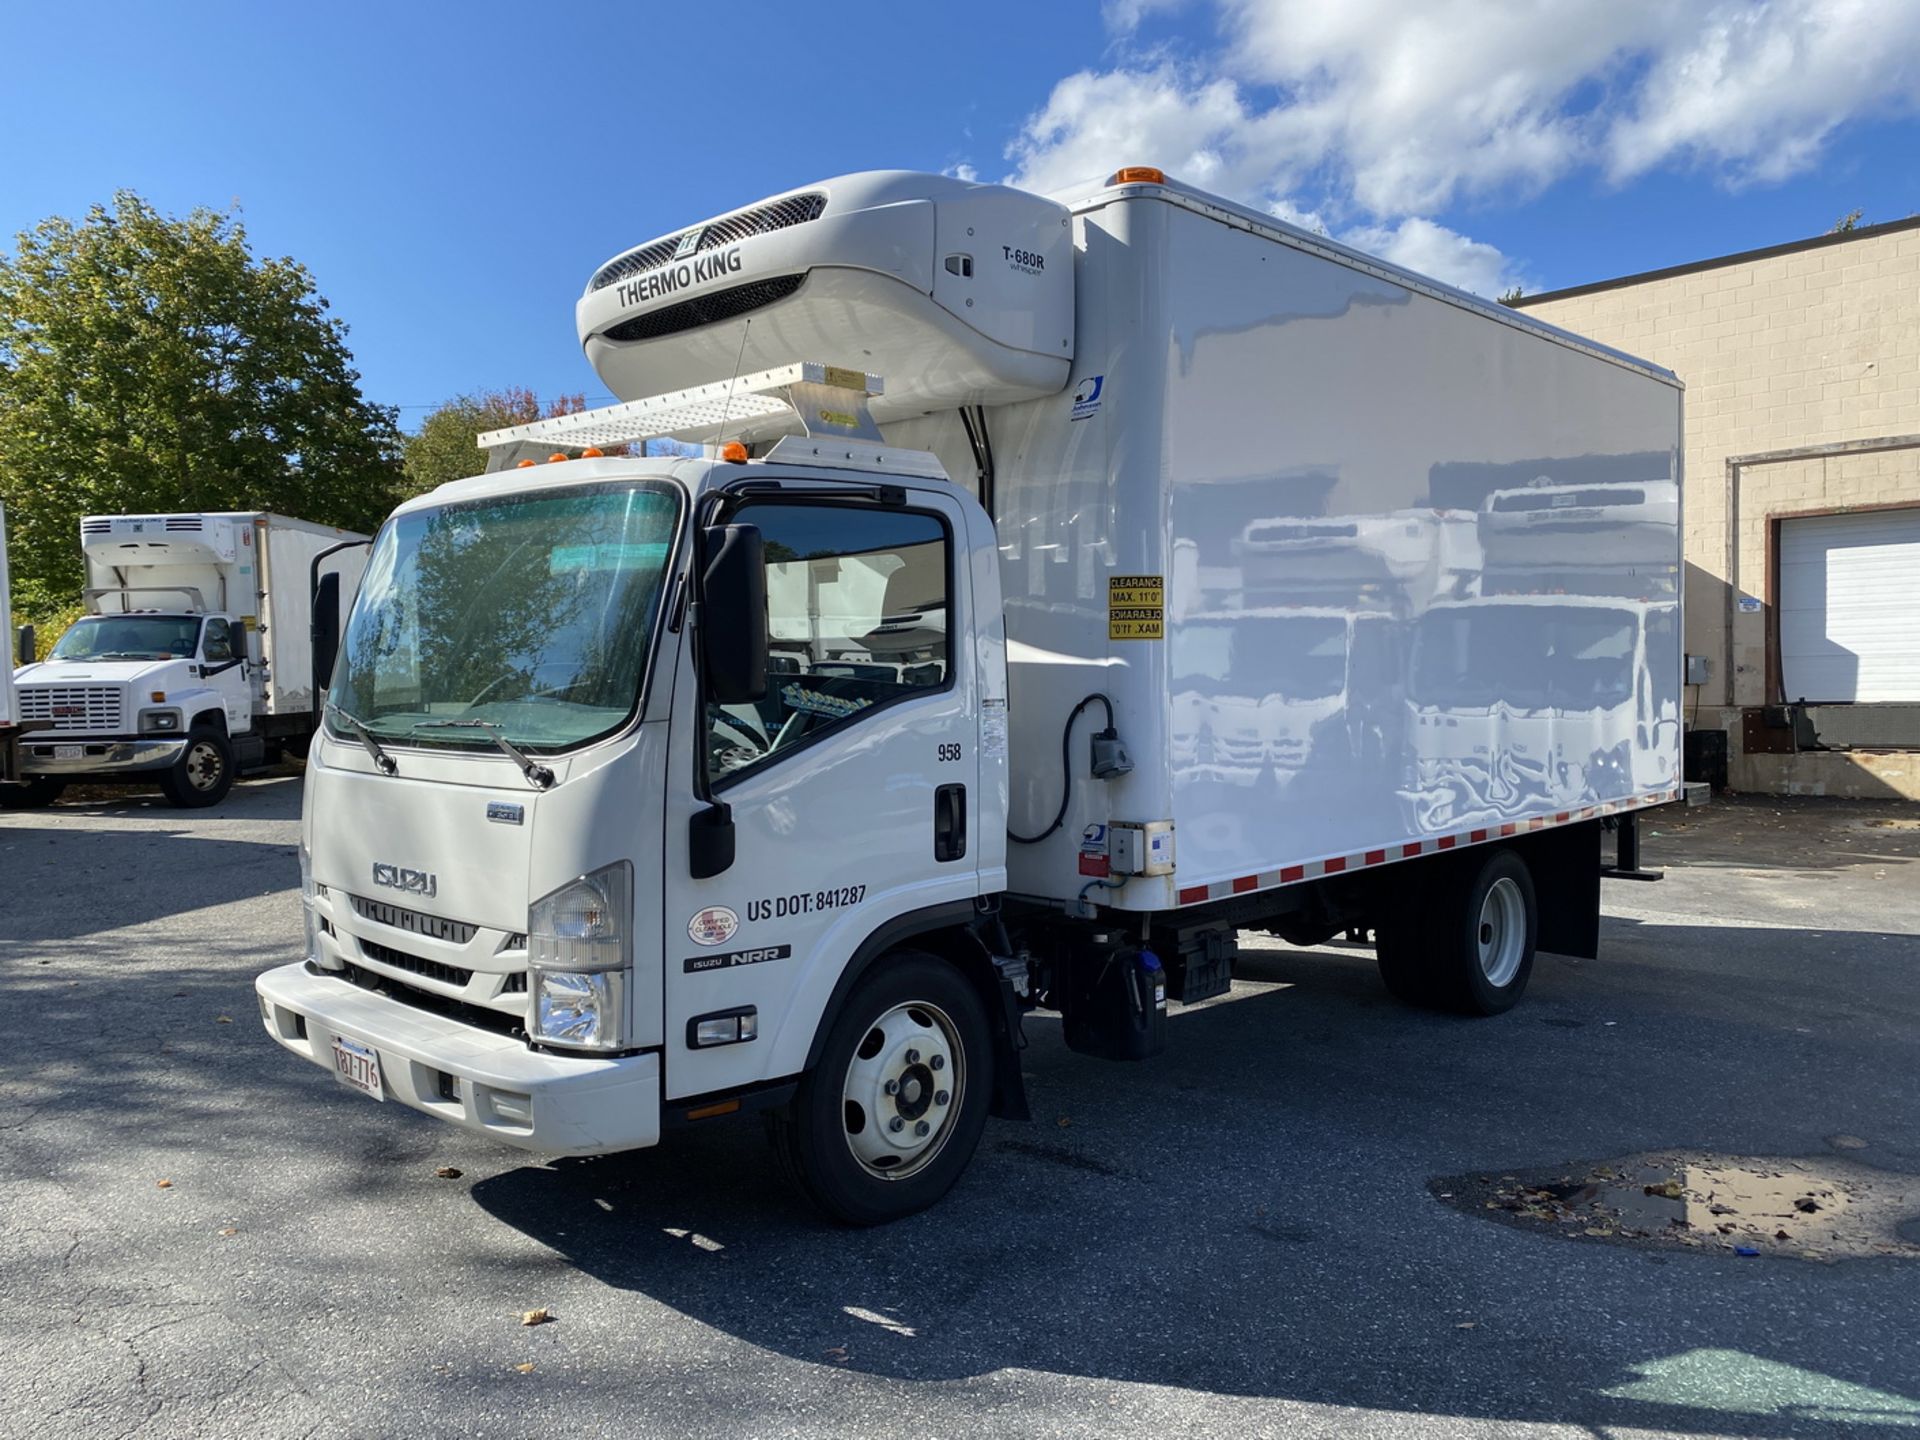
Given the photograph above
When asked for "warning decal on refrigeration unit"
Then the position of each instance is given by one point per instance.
(1136, 607)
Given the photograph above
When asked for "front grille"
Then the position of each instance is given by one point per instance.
(415, 964)
(478, 1016)
(516, 984)
(755, 220)
(95, 708)
(434, 927)
(705, 309)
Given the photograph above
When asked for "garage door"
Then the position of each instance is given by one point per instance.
(1850, 607)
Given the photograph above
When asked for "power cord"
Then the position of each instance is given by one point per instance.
(1066, 768)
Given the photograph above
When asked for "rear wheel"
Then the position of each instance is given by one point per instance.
(1464, 940)
(885, 1123)
(35, 793)
(203, 774)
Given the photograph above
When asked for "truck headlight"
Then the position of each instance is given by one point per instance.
(159, 722)
(580, 956)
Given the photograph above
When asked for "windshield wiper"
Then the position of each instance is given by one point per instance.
(381, 759)
(538, 775)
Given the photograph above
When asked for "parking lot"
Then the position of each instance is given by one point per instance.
(1243, 1236)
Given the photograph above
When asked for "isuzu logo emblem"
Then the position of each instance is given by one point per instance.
(398, 877)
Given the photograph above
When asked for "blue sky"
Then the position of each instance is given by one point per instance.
(452, 174)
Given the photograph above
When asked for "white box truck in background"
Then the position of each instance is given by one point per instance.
(11, 726)
(1066, 585)
(193, 661)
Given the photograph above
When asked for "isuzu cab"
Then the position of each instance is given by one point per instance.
(963, 673)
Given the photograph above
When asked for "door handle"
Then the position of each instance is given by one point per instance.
(950, 822)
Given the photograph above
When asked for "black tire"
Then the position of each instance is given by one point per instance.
(816, 1136)
(203, 774)
(34, 793)
(1464, 941)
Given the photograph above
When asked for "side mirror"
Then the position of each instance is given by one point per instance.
(28, 650)
(733, 615)
(323, 631)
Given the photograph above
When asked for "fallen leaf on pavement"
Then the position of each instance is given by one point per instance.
(525, 1369)
(223, 1019)
(1467, 1325)
(536, 1317)
(838, 1354)
(163, 1184)
(230, 1230)
(447, 1172)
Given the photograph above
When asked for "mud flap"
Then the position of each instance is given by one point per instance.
(1565, 864)
(1009, 1101)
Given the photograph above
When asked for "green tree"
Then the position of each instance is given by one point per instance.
(152, 363)
(1512, 297)
(1847, 222)
(444, 447)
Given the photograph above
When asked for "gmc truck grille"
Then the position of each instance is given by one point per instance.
(454, 932)
(705, 309)
(755, 220)
(98, 709)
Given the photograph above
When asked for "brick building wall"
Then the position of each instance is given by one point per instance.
(1802, 368)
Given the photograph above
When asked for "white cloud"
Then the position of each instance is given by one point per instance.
(1373, 113)
(961, 170)
(1431, 249)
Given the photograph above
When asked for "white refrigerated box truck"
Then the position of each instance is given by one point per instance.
(193, 661)
(966, 673)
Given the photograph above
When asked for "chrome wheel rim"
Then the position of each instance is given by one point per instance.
(1502, 932)
(204, 765)
(903, 1090)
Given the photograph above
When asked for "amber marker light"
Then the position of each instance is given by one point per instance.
(1138, 175)
(734, 451)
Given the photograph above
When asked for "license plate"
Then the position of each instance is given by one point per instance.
(358, 1066)
(69, 752)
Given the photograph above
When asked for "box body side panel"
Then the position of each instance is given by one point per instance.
(1418, 571)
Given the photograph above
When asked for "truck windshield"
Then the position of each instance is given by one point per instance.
(1567, 657)
(532, 612)
(128, 637)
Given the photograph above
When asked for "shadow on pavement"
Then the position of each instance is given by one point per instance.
(1246, 1215)
(65, 875)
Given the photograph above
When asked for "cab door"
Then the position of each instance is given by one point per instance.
(853, 786)
(224, 667)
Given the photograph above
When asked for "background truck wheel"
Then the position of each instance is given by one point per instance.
(203, 775)
(1464, 940)
(891, 1115)
(34, 794)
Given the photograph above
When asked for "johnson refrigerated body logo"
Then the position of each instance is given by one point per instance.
(1086, 399)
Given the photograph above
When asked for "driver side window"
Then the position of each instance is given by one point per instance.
(857, 618)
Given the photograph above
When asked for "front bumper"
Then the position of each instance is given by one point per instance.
(99, 757)
(491, 1084)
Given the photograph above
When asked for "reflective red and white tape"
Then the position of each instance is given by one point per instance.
(1340, 864)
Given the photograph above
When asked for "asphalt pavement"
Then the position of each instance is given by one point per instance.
(199, 1235)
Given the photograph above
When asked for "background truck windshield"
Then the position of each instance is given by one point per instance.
(129, 637)
(531, 612)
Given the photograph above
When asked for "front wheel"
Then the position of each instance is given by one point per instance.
(885, 1123)
(203, 774)
(35, 793)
